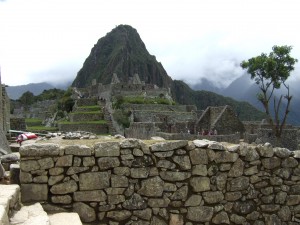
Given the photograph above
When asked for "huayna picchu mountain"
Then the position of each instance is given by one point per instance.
(123, 52)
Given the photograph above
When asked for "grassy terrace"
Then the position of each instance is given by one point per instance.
(90, 108)
(84, 122)
(33, 122)
(88, 112)
(41, 128)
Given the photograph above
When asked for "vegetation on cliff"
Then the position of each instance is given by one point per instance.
(123, 52)
(203, 99)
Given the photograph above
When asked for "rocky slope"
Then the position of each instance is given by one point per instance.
(123, 52)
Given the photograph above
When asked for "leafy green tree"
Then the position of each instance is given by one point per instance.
(270, 72)
(27, 99)
(66, 102)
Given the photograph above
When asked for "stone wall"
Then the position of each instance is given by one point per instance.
(168, 182)
(163, 116)
(161, 107)
(86, 116)
(289, 138)
(231, 138)
(141, 130)
(17, 123)
(94, 128)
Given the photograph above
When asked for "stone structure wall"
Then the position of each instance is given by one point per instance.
(231, 138)
(91, 116)
(168, 182)
(161, 107)
(17, 123)
(4, 118)
(223, 119)
(94, 128)
(289, 138)
(167, 116)
(141, 131)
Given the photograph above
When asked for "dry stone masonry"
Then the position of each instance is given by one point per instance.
(166, 182)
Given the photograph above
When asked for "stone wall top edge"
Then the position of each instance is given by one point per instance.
(42, 149)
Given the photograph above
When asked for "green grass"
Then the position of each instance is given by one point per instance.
(84, 122)
(41, 128)
(89, 107)
(89, 112)
(33, 120)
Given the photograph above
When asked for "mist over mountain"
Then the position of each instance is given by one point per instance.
(245, 89)
(206, 85)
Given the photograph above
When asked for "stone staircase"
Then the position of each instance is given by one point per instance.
(13, 213)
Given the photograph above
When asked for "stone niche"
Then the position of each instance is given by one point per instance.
(165, 182)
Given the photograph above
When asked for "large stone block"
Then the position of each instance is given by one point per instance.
(239, 184)
(119, 215)
(90, 196)
(183, 162)
(271, 163)
(152, 187)
(61, 199)
(64, 161)
(108, 163)
(64, 188)
(93, 181)
(29, 165)
(212, 197)
(135, 202)
(37, 150)
(225, 157)
(200, 213)
(200, 184)
(34, 192)
(86, 213)
(46, 163)
(198, 156)
(168, 146)
(174, 175)
(81, 150)
(130, 143)
(119, 181)
(107, 149)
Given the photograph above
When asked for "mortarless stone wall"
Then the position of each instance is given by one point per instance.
(168, 182)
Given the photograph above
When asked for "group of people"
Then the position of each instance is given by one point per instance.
(208, 132)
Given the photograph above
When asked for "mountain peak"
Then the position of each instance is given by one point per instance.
(123, 52)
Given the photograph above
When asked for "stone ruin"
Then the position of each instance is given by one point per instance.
(4, 118)
(164, 182)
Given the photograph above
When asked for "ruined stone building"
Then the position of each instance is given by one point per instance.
(4, 116)
(149, 120)
(133, 87)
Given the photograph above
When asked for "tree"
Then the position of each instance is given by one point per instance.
(27, 99)
(270, 73)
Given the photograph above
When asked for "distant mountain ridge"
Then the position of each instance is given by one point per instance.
(15, 92)
(245, 89)
(123, 52)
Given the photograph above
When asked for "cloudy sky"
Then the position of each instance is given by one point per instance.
(48, 40)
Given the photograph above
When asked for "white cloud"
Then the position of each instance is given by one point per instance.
(191, 38)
